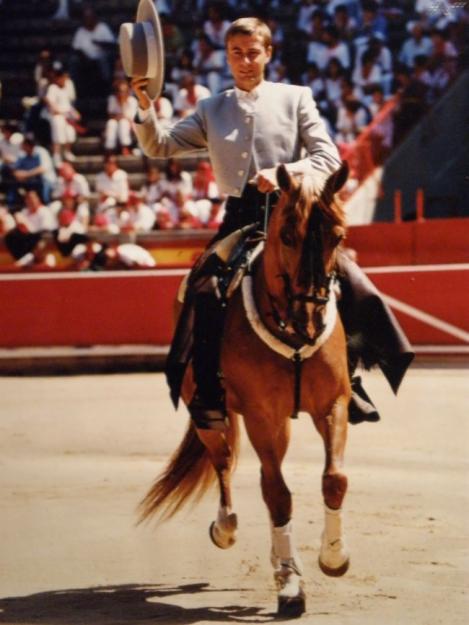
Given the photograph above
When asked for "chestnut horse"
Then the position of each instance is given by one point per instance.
(283, 350)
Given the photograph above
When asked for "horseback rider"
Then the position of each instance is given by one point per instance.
(248, 131)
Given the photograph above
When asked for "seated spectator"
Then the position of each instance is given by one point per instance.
(215, 217)
(373, 24)
(417, 44)
(31, 223)
(382, 132)
(122, 107)
(333, 82)
(32, 171)
(164, 111)
(184, 66)
(335, 48)
(382, 57)
(173, 39)
(153, 189)
(412, 103)
(443, 52)
(209, 65)
(278, 72)
(136, 216)
(188, 95)
(305, 13)
(313, 79)
(204, 190)
(10, 150)
(215, 26)
(93, 48)
(176, 180)
(71, 202)
(188, 218)
(352, 118)
(63, 10)
(163, 220)
(61, 114)
(71, 182)
(366, 76)
(112, 184)
(95, 256)
(344, 22)
(7, 221)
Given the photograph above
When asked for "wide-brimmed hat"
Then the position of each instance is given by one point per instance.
(141, 48)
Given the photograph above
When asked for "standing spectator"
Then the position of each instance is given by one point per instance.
(61, 114)
(112, 184)
(188, 95)
(93, 49)
(33, 171)
(121, 109)
(415, 45)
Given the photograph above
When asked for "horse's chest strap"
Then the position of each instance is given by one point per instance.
(298, 369)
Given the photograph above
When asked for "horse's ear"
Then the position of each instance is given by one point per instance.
(339, 178)
(283, 178)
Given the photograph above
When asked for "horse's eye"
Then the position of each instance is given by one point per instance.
(287, 237)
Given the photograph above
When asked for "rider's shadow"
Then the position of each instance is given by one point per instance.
(122, 605)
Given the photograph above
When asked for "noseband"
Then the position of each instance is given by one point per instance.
(315, 283)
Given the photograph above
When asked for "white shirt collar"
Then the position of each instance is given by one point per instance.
(246, 96)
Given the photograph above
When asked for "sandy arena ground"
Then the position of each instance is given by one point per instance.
(78, 453)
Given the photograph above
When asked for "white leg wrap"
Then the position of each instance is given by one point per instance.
(334, 553)
(286, 562)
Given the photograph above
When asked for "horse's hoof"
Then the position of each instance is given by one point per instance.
(292, 607)
(338, 572)
(224, 539)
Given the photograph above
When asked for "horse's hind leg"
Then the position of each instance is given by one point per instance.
(334, 557)
(271, 448)
(223, 530)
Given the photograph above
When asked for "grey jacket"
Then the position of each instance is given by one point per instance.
(285, 127)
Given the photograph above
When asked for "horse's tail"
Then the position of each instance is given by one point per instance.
(188, 475)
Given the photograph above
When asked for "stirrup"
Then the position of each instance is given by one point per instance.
(361, 408)
(206, 418)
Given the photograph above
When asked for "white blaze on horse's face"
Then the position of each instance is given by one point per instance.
(247, 57)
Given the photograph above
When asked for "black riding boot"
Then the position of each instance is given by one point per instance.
(207, 407)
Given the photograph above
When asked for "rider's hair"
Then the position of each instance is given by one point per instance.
(250, 26)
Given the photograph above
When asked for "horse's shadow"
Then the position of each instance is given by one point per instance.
(123, 605)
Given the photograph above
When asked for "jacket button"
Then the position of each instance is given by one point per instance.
(244, 155)
(241, 172)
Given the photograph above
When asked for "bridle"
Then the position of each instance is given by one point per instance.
(314, 282)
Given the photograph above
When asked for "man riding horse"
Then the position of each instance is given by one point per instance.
(248, 131)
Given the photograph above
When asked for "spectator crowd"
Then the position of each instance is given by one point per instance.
(354, 55)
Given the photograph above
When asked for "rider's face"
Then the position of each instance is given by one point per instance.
(247, 57)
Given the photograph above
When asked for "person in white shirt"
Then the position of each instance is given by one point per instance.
(71, 184)
(93, 44)
(121, 108)
(153, 189)
(415, 45)
(136, 216)
(209, 64)
(61, 113)
(112, 184)
(215, 26)
(188, 95)
(35, 217)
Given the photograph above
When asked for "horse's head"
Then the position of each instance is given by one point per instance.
(305, 230)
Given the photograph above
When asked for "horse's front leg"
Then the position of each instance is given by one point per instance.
(270, 442)
(334, 557)
(224, 529)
